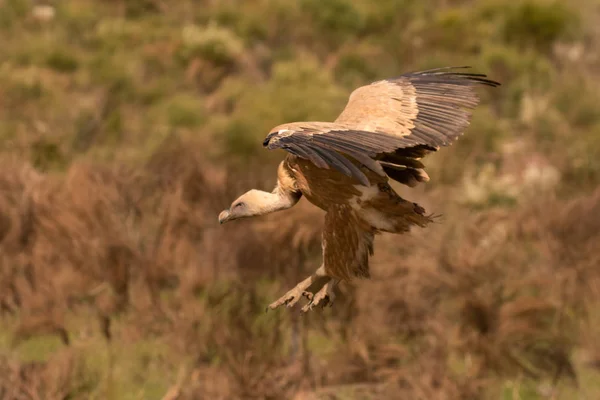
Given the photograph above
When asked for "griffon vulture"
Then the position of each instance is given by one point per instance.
(343, 167)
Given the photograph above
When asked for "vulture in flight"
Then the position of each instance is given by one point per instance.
(344, 167)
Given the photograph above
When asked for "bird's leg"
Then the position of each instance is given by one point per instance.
(325, 296)
(292, 296)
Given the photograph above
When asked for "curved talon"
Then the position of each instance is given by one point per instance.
(307, 307)
(324, 297)
(308, 295)
(292, 296)
(291, 302)
(289, 299)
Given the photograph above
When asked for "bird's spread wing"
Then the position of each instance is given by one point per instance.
(324, 145)
(429, 107)
(419, 112)
(347, 244)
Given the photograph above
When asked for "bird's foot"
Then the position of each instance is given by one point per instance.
(323, 297)
(290, 298)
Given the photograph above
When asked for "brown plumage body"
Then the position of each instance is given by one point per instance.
(344, 167)
(355, 213)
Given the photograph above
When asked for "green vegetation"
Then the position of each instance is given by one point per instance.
(125, 126)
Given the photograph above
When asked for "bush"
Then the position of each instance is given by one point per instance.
(211, 43)
(338, 20)
(538, 23)
(62, 61)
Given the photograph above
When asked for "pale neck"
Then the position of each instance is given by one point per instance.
(281, 200)
(276, 200)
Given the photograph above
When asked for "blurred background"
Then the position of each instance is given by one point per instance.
(127, 125)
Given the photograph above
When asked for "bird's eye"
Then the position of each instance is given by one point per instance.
(240, 204)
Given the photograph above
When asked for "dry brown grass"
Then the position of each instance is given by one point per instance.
(61, 377)
(496, 293)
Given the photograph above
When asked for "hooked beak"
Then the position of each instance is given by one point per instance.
(224, 216)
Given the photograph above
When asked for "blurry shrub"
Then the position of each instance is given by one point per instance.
(578, 102)
(46, 155)
(212, 43)
(238, 140)
(338, 20)
(275, 23)
(354, 69)
(486, 189)
(245, 21)
(112, 34)
(305, 90)
(509, 65)
(24, 91)
(114, 74)
(12, 11)
(65, 375)
(479, 144)
(582, 170)
(209, 54)
(139, 8)
(62, 60)
(157, 61)
(184, 111)
(518, 72)
(225, 98)
(78, 20)
(113, 128)
(386, 16)
(538, 23)
(152, 93)
(8, 132)
(453, 29)
(297, 91)
(570, 120)
(86, 127)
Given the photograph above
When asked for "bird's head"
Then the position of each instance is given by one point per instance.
(278, 131)
(249, 204)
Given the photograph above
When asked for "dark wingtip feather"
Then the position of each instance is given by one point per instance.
(437, 70)
(448, 72)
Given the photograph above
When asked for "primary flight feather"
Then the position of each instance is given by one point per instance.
(343, 167)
